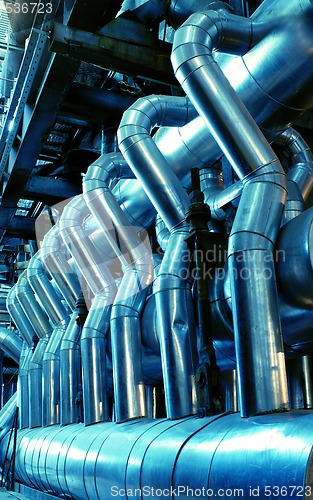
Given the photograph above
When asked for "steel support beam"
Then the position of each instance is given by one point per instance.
(50, 190)
(131, 57)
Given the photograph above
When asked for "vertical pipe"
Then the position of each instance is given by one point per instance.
(307, 381)
(93, 339)
(259, 349)
(70, 373)
(176, 331)
(135, 256)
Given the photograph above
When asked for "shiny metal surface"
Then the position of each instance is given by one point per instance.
(36, 316)
(35, 383)
(294, 260)
(222, 451)
(176, 327)
(227, 450)
(93, 340)
(7, 416)
(10, 343)
(23, 389)
(51, 376)
(93, 348)
(137, 265)
(55, 261)
(259, 349)
(43, 288)
(176, 330)
(19, 317)
(301, 159)
(70, 372)
(146, 159)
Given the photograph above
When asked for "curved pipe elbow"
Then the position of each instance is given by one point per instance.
(154, 111)
(204, 32)
(11, 344)
(105, 172)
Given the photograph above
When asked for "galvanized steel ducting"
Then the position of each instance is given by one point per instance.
(103, 365)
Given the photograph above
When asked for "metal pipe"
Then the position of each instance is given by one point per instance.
(259, 348)
(7, 415)
(176, 332)
(70, 373)
(27, 300)
(43, 329)
(306, 362)
(62, 461)
(180, 10)
(145, 158)
(45, 292)
(69, 355)
(299, 179)
(59, 317)
(136, 259)
(51, 376)
(162, 234)
(19, 317)
(176, 327)
(23, 391)
(11, 344)
(35, 383)
(294, 260)
(56, 263)
(93, 340)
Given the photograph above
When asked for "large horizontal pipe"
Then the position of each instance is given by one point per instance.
(213, 456)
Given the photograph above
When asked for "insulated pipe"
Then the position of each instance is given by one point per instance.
(176, 333)
(70, 373)
(294, 263)
(11, 344)
(176, 326)
(300, 173)
(93, 340)
(45, 293)
(136, 259)
(106, 460)
(146, 160)
(259, 348)
(31, 307)
(43, 329)
(180, 10)
(35, 385)
(55, 261)
(59, 317)
(299, 179)
(23, 391)
(7, 415)
(19, 317)
(51, 376)
(21, 321)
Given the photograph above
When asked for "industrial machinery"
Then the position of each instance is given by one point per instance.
(165, 322)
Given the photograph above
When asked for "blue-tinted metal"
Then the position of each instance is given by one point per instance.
(220, 452)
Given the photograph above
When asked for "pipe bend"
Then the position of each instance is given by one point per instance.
(106, 171)
(11, 344)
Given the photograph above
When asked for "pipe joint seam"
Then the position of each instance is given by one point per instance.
(246, 241)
